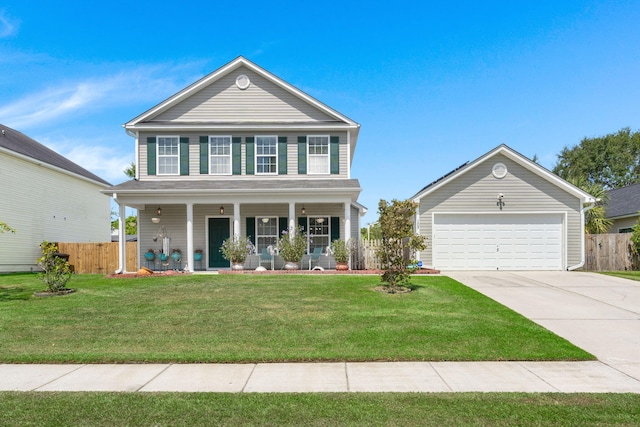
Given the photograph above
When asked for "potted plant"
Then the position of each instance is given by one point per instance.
(292, 248)
(176, 255)
(235, 250)
(341, 251)
(197, 256)
(150, 255)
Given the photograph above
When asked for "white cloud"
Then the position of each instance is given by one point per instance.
(141, 85)
(8, 26)
(106, 161)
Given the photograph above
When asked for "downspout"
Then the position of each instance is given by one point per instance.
(583, 211)
(121, 236)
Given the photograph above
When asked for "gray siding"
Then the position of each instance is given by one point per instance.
(476, 191)
(194, 156)
(622, 223)
(262, 101)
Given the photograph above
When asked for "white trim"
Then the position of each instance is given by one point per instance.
(255, 155)
(521, 160)
(564, 230)
(328, 155)
(210, 156)
(177, 137)
(219, 73)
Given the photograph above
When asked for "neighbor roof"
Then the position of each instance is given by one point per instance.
(624, 201)
(17, 142)
(516, 157)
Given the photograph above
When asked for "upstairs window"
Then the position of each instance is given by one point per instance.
(318, 159)
(168, 155)
(220, 155)
(266, 155)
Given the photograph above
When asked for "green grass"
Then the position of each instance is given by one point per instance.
(355, 409)
(633, 275)
(249, 318)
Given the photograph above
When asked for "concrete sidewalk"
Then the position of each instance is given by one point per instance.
(562, 377)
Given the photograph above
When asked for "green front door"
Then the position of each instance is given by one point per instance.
(218, 233)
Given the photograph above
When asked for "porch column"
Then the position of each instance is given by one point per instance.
(190, 237)
(347, 224)
(236, 220)
(292, 219)
(122, 239)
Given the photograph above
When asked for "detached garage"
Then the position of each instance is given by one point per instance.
(502, 212)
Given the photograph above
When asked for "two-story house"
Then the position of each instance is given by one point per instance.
(240, 152)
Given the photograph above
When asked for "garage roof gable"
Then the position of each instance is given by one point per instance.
(516, 157)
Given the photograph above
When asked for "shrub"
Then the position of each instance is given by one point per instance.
(341, 250)
(236, 249)
(56, 270)
(292, 248)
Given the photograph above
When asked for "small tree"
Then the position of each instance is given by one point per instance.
(56, 270)
(398, 241)
(635, 243)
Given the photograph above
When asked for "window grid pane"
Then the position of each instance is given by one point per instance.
(318, 154)
(220, 155)
(267, 233)
(266, 154)
(318, 233)
(168, 150)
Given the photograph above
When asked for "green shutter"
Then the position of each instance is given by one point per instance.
(302, 155)
(204, 155)
(236, 155)
(302, 223)
(184, 156)
(250, 155)
(251, 229)
(335, 154)
(282, 155)
(335, 228)
(282, 225)
(151, 155)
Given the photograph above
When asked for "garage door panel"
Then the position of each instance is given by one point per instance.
(504, 241)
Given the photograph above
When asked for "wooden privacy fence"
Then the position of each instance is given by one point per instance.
(364, 256)
(98, 258)
(609, 252)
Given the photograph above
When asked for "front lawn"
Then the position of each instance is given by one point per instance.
(318, 409)
(633, 275)
(254, 318)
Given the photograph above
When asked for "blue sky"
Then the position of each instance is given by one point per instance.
(432, 84)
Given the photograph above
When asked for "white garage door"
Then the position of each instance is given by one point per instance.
(497, 242)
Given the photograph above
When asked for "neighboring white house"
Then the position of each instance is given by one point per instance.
(623, 208)
(502, 212)
(45, 196)
(240, 152)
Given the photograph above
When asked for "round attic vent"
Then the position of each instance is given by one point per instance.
(499, 170)
(242, 82)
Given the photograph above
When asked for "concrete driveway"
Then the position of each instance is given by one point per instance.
(597, 313)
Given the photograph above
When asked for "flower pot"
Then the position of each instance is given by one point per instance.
(342, 266)
(197, 256)
(237, 266)
(163, 257)
(149, 256)
(291, 265)
(176, 256)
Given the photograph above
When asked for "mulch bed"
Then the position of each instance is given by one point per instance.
(178, 273)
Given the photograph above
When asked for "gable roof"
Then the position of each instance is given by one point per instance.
(516, 157)
(624, 201)
(223, 71)
(21, 144)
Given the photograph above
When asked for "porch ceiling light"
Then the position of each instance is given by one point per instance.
(320, 220)
(221, 210)
(265, 220)
(303, 211)
(159, 211)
